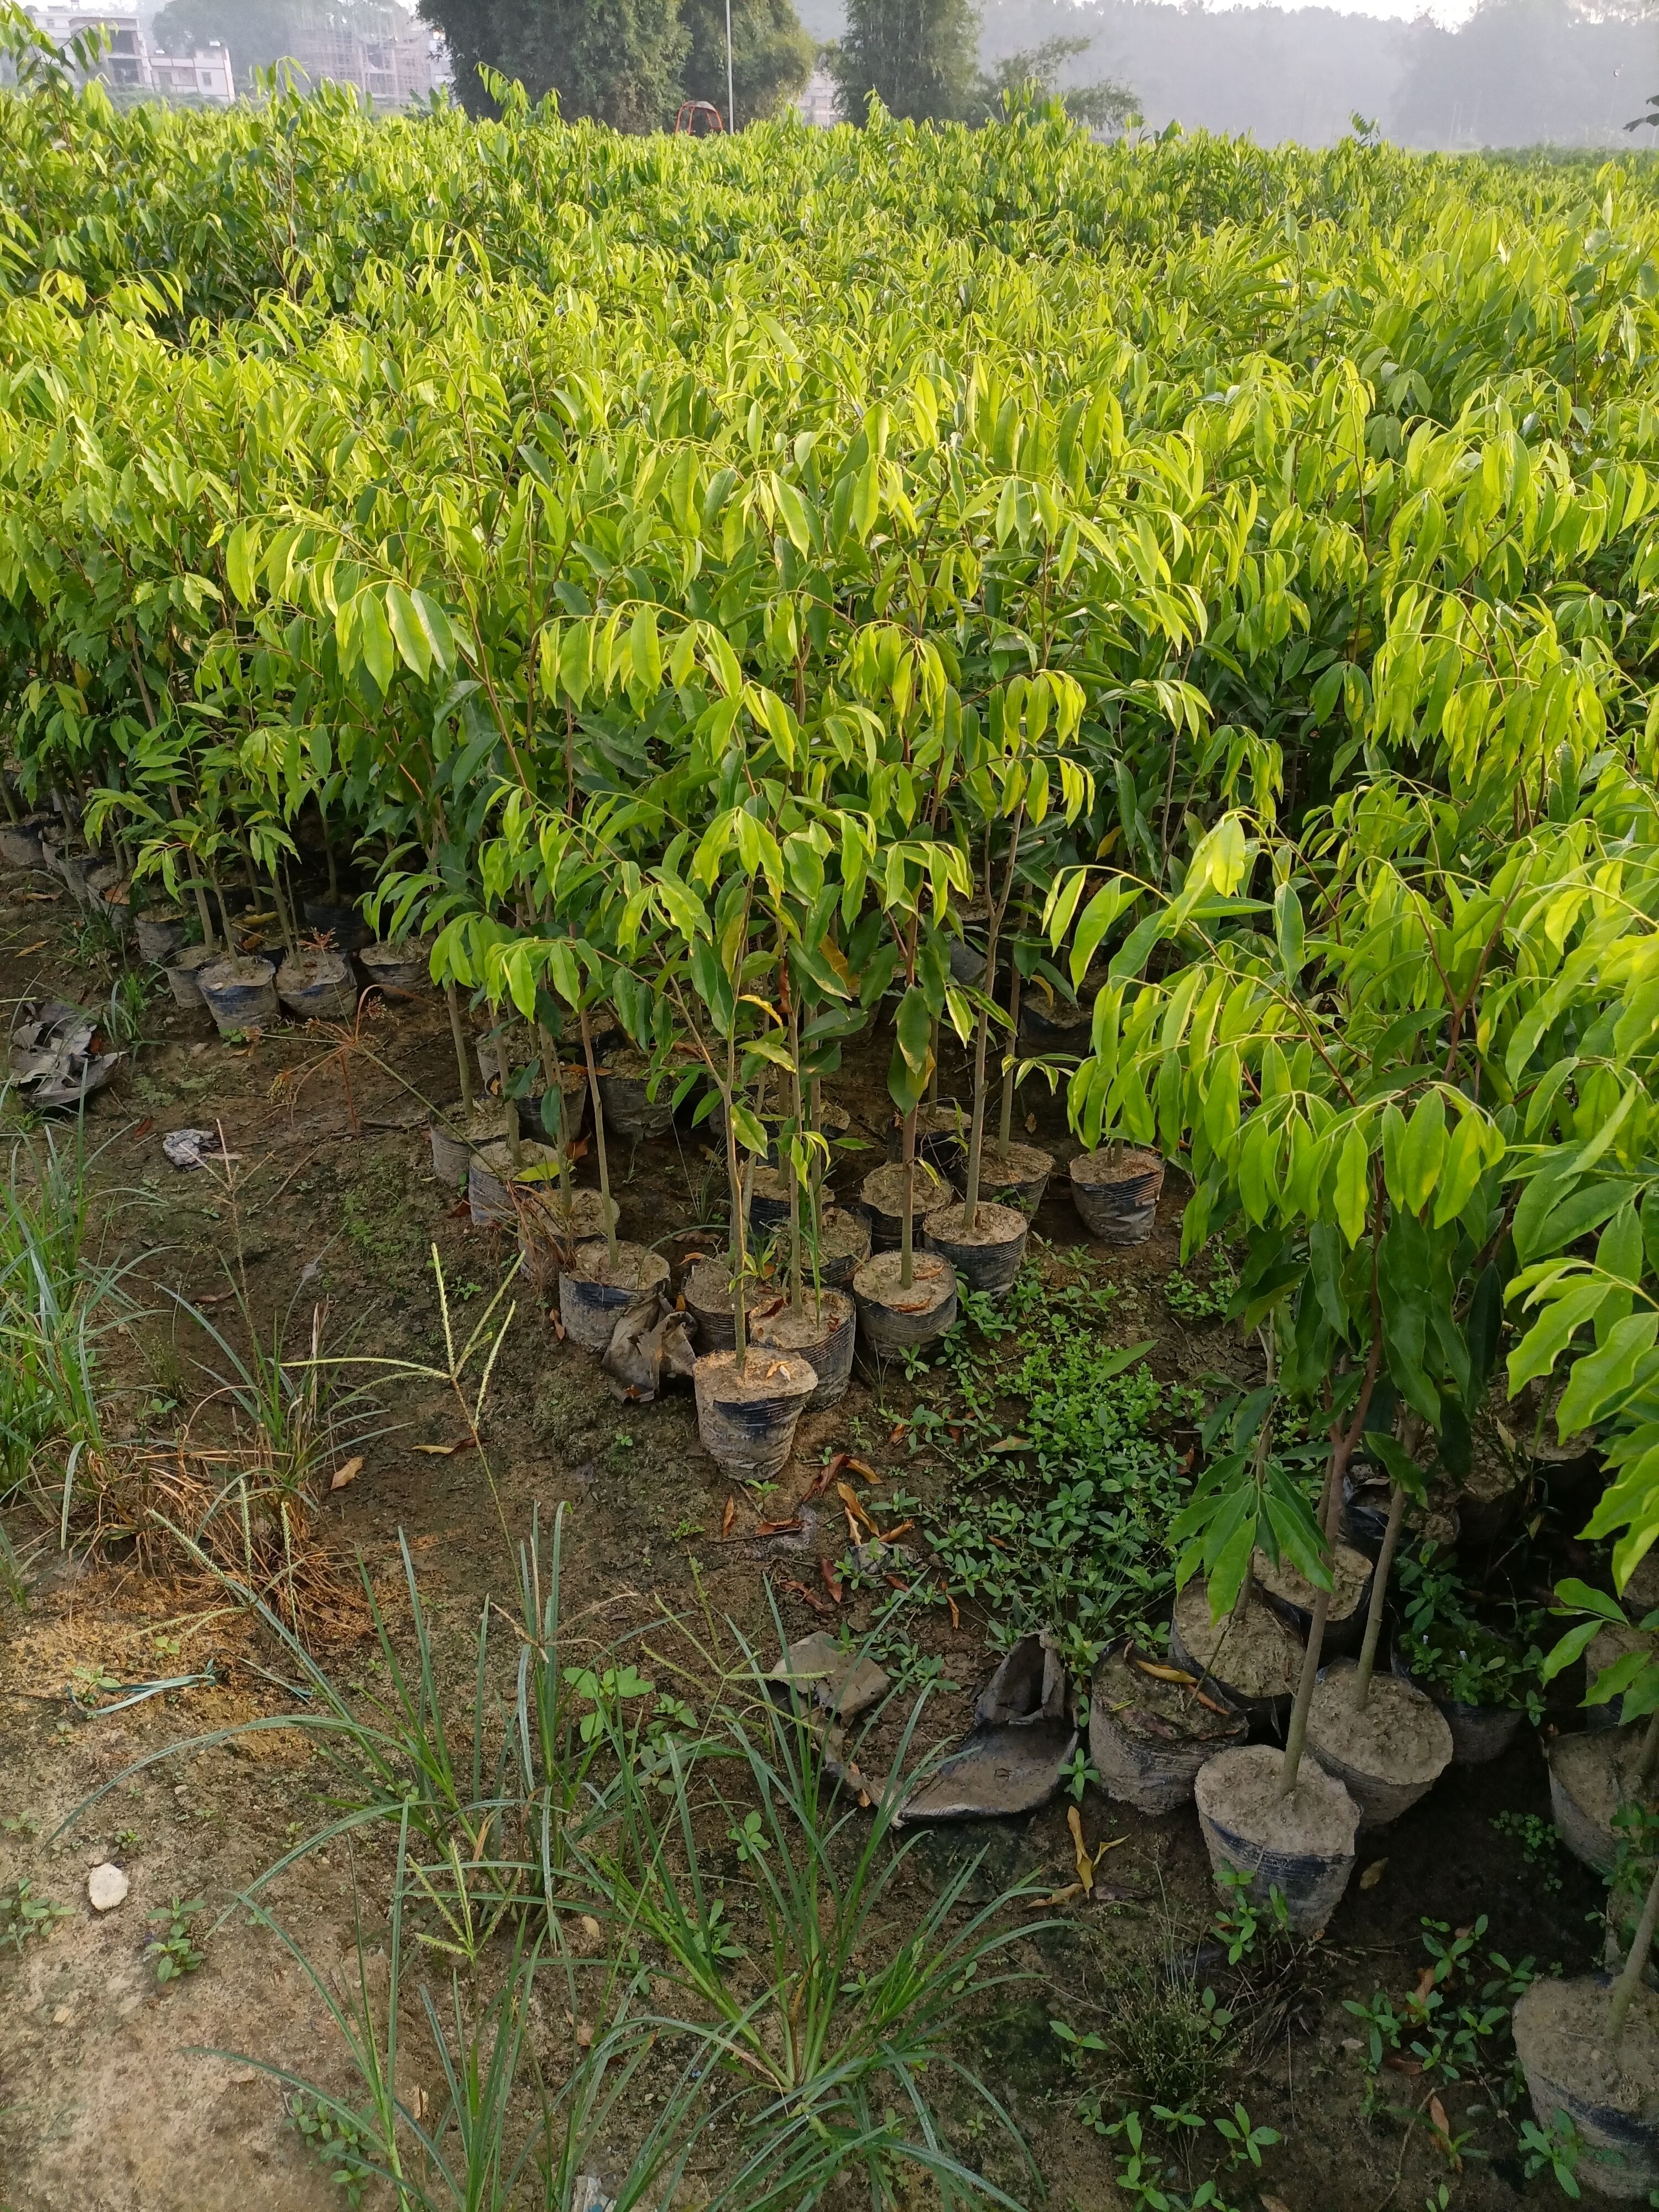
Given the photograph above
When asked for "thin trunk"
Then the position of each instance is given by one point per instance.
(284, 917)
(202, 913)
(1648, 1764)
(463, 1057)
(907, 1232)
(12, 815)
(555, 1092)
(933, 1079)
(981, 1038)
(1361, 1684)
(738, 1247)
(1011, 1061)
(1341, 1451)
(796, 1108)
(598, 1138)
(224, 911)
(510, 1117)
(333, 866)
(1641, 1944)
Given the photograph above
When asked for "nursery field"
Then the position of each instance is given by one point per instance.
(830, 1289)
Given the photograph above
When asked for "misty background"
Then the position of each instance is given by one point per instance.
(1515, 73)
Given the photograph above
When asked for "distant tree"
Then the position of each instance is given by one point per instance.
(920, 57)
(257, 32)
(1103, 105)
(771, 55)
(618, 60)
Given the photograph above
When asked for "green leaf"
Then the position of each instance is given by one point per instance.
(914, 1026)
(1289, 932)
(1422, 1151)
(1353, 1194)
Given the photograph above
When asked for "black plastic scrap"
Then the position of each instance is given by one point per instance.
(649, 1347)
(837, 1686)
(52, 1057)
(1011, 1759)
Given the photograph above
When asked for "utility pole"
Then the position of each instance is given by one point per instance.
(731, 102)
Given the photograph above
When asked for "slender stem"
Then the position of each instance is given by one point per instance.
(510, 1116)
(1342, 1446)
(1009, 1062)
(195, 885)
(1362, 1680)
(555, 1092)
(1648, 1764)
(796, 1108)
(1641, 1944)
(907, 1228)
(976, 1133)
(933, 1079)
(735, 1183)
(462, 1057)
(598, 1138)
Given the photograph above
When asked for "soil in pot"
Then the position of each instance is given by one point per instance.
(707, 1291)
(1058, 1026)
(747, 1416)
(1253, 1655)
(1605, 1649)
(768, 1197)
(1293, 1597)
(553, 1222)
(185, 969)
(1017, 1174)
(986, 1256)
(882, 1193)
(338, 920)
(1116, 1192)
(1479, 1733)
(1387, 1755)
(240, 994)
(161, 937)
(595, 1291)
(891, 1318)
(1607, 2087)
(1491, 1500)
(573, 1093)
(451, 1156)
(20, 845)
(490, 1168)
(1301, 1845)
(1591, 1776)
(822, 1331)
(624, 1092)
(843, 1248)
(402, 968)
(1366, 1493)
(317, 987)
(1148, 1736)
(941, 1136)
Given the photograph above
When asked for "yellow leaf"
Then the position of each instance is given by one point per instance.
(348, 1472)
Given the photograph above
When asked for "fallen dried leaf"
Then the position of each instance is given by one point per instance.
(1166, 1674)
(831, 1580)
(781, 1527)
(447, 1451)
(348, 1472)
(858, 1467)
(809, 1597)
(728, 1518)
(1396, 2063)
(1086, 1865)
(892, 1535)
(1010, 1444)
(1274, 2204)
(1442, 2134)
(956, 1618)
(558, 1329)
(24, 951)
(825, 1475)
(1058, 1896)
(850, 1498)
(1373, 1873)
(418, 2103)
(144, 1128)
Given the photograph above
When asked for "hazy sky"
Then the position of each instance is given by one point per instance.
(1449, 12)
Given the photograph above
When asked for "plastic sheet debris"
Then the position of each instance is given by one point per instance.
(52, 1057)
(193, 1148)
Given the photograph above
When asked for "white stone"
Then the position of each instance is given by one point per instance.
(108, 1887)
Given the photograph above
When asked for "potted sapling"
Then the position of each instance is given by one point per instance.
(1379, 1735)
(906, 1300)
(816, 1321)
(984, 1241)
(603, 1277)
(750, 1398)
(1598, 1773)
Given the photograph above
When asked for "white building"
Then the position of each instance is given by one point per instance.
(817, 104)
(128, 61)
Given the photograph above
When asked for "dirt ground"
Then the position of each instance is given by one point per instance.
(118, 2095)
